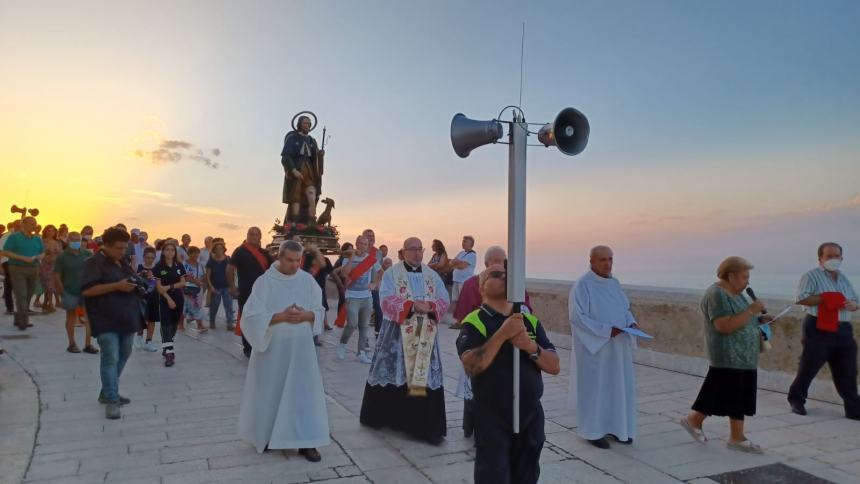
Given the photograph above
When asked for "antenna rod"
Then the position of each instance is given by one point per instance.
(522, 56)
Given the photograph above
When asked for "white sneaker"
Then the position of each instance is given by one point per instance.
(362, 357)
(138, 341)
(341, 351)
(151, 347)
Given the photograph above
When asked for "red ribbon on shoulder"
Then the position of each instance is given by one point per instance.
(354, 275)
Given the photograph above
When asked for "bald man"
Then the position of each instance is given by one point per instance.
(404, 388)
(603, 384)
(248, 262)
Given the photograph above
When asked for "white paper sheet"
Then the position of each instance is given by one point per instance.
(637, 332)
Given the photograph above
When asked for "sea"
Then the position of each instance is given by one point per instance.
(778, 285)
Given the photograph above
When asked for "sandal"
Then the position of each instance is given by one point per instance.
(91, 349)
(73, 349)
(745, 446)
(697, 434)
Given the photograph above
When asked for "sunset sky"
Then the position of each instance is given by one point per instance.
(719, 128)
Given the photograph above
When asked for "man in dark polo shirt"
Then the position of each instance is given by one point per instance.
(485, 346)
(114, 310)
(249, 261)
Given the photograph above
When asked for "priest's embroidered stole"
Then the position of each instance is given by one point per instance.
(418, 332)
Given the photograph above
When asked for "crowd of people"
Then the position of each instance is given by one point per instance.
(118, 287)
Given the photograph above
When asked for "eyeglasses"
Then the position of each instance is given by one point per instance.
(414, 249)
(497, 274)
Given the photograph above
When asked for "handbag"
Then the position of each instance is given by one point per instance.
(192, 290)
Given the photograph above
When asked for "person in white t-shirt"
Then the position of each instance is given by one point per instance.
(205, 252)
(359, 300)
(463, 268)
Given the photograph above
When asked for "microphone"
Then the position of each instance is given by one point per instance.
(751, 294)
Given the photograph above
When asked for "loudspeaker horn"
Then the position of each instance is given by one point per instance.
(569, 132)
(468, 134)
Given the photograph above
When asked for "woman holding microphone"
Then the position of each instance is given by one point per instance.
(733, 340)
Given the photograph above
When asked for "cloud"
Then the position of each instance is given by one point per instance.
(152, 194)
(174, 151)
(171, 144)
(229, 226)
(205, 160)
(210, 211)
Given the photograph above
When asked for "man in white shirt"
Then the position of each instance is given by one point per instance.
(464, 268)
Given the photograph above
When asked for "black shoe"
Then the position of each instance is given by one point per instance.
(122, 400)
(798, 408)
(600, 443)
(625, 442)
(312, 455)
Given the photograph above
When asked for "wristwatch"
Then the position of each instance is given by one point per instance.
(534, 356)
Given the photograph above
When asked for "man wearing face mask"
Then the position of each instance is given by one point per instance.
(829, 299)
(67, 273)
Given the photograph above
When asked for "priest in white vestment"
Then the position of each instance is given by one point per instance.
(283, 404)
(603, 383)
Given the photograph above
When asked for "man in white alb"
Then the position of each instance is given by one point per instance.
(283, 404)
(603, 383)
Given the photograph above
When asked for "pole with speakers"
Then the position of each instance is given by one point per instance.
(569, 133)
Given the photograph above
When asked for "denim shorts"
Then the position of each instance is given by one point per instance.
(70, 301)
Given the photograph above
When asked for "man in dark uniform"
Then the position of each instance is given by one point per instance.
(248, 262)
(302, 163)
(485, 347)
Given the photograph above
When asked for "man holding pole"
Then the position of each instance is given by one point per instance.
(486, 346)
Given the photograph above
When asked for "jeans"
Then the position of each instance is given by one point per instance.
(115, 350)
(219, 295)
(23, 286)
(357, 314)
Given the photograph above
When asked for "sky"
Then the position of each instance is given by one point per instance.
(717, 129)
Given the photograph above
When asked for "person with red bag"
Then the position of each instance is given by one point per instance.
(828, 337)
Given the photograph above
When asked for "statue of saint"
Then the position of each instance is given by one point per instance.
(303, 168)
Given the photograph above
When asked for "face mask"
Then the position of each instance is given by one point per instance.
(87, 237)
(74, 245)
(832, 265)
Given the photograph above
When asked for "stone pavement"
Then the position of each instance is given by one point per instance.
(181, 424)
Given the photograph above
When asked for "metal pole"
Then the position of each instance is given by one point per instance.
(516, 277)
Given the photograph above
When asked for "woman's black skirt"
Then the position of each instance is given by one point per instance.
(728, 392)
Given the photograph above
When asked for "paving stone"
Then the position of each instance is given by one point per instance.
(398, 475)
(181, 426)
